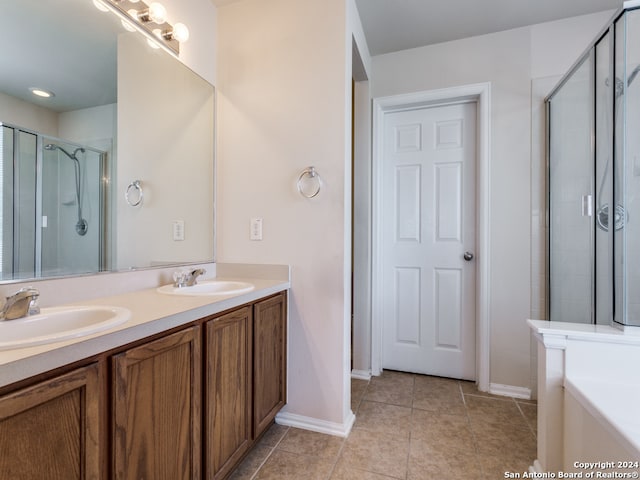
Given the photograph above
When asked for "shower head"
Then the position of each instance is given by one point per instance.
(81, 225)
(72, 156)
(619, 85)
(632, 76)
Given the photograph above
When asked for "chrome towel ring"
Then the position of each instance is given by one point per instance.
(309, 182)
(134, 186)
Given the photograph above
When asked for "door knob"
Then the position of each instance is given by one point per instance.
(468, 256)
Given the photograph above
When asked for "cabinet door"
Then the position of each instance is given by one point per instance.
(156, 409)
(52, 429)
(227, 391)
(269, 361)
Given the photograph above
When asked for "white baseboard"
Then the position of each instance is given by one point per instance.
(510, 391)
(361, 374)
(316, 425)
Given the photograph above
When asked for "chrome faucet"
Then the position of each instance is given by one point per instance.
(192, 277)
(21, 304)
(187, 279)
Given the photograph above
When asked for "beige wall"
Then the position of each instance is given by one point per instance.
(199, 52)
(27, 115)
(166, 142)
(284, 89)
(509, 60)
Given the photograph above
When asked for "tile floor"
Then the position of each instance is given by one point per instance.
(410, 427)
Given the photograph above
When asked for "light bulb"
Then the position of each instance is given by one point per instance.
(180, 32)
(133, 13)
(157, 13)
(134, 1)
(157, 32)
(100, 5)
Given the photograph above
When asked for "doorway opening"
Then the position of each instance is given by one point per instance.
(479, 94)
(361, 218)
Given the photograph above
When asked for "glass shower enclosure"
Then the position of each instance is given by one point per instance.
(53, 218)
(593, 141)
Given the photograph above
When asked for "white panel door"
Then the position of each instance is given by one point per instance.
(428, 223)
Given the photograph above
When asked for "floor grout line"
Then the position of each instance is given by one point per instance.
(273, 449)
(484, 469)
(473, 433)
(533, 432)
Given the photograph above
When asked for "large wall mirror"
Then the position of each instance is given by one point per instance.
(114, 171)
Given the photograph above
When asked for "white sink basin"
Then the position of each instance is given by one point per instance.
(209, 287)
(59, 323)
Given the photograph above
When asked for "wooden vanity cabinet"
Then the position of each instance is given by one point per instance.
(269, 360)
(245, 384)
(52, 429)
(156, 409)
(154, 400)
(228, 404)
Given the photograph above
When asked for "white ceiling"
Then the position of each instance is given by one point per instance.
(79, 72)
(392, 25)
(67, 47)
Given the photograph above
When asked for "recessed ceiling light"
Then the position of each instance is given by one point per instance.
(40, 92)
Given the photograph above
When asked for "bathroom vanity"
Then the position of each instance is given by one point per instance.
(174, 395)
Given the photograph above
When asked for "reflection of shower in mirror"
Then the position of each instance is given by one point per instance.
(82, 225)
(54, 212)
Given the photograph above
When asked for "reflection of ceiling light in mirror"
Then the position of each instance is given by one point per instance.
(99, 4)
(128, 26)
(40, 92)
(152, 44)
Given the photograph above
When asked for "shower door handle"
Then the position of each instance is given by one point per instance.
(587, 205)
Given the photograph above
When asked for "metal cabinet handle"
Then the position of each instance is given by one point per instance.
(468, 256)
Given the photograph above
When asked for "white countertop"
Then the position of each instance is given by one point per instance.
(585, 331)
(151, 313)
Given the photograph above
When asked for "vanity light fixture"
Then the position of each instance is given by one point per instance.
(180, 32)
(156, 13)
(41, 92)
(151, 20)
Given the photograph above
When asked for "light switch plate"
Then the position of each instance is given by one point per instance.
(178, 230)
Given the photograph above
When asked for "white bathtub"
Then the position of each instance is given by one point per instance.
(601, 422)
(588, 399)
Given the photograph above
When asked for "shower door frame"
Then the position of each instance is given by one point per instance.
(104, 199)
(590, 57)
(590, 52)
(104, 196)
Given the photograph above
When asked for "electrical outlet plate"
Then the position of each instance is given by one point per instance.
(256, 229)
